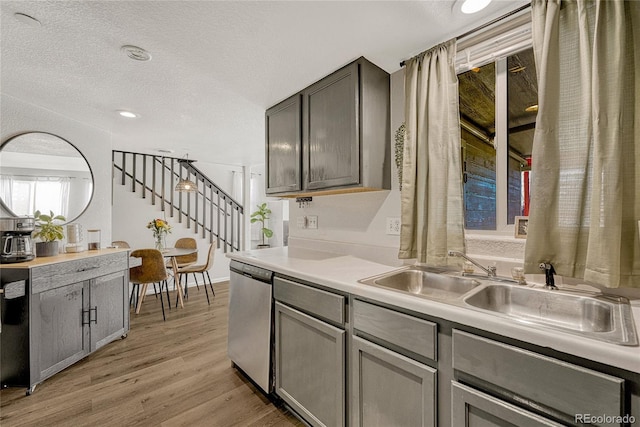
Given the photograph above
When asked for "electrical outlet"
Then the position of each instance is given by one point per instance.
(393, 225)
(302, 222)
(312, 222)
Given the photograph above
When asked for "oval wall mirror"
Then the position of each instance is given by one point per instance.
(41, 171)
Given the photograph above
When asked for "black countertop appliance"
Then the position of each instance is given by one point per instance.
(16, 239)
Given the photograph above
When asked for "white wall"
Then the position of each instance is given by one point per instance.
(258, 196)
(18, 117)
(356, 223)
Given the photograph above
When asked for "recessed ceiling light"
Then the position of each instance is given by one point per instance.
(128, 114)
(165, 151)
(472, 6)
(26, 19)
(136, 53)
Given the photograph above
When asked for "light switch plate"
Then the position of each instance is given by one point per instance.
(393, 225)
(302, 222)
(312, 221)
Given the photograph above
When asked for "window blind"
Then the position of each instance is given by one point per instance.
(497, 41)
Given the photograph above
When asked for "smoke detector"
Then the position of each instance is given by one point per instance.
(136, 53)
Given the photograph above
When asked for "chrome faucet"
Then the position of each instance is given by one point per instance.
(549, 271)
(491, 270)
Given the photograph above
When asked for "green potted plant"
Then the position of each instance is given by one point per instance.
(261, 215)
(48, 232)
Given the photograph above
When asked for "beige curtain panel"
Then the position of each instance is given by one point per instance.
(431, 200)
(585, 203)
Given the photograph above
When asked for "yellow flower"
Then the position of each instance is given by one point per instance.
(159, 226)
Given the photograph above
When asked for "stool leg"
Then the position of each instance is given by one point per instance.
(141, 297)
(164, 318)
(205, 289)
(133, 298)
(196, 280)
(210, 283)
(166, 287)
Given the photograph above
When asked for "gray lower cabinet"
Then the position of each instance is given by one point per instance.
(409, 369)
(74, 306)
(71, 321)
(472, 408)
(389, 389)
(59, 337)
(310, 366)
(391, 383)
(108, 309)
(557, 389)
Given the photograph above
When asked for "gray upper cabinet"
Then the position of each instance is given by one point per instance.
(331, 134)
(345, 134)
(284, 146)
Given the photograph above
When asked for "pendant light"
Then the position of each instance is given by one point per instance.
(185, 185)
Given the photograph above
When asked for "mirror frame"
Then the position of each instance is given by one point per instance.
(93, 180)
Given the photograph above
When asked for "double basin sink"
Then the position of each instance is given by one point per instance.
(602, 317)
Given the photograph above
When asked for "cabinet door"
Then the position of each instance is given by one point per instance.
(331, 143)
(310, 366)
(472, 408)
(60, 335)
(108, 309)
(389, 389)
(283, 151)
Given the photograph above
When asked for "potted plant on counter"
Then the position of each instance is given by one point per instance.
(48, 232)
(261, 215)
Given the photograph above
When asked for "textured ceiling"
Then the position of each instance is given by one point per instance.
(216, 66)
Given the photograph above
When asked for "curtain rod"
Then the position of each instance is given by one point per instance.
(483, 26)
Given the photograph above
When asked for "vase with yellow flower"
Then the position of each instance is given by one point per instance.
(160, 228)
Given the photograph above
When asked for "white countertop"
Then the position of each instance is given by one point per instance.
(342, 272)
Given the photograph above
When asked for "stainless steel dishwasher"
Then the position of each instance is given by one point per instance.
(250, 322)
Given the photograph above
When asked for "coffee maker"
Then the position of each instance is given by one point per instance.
(16, 239)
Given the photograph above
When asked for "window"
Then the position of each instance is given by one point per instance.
(498, 108)
(26, 194)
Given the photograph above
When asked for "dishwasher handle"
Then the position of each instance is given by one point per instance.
(251, 271)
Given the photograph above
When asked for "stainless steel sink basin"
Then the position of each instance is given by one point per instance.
(607, 318)
(426, 282)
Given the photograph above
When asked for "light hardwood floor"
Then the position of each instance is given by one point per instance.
(169, 373)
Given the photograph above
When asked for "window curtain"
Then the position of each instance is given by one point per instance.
(431, 200)
(6, 193)
(585, 201)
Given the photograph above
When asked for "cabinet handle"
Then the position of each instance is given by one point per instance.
(86, 315)
(95, 319)
(80, 270)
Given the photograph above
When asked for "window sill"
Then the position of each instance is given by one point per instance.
(495, 245)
